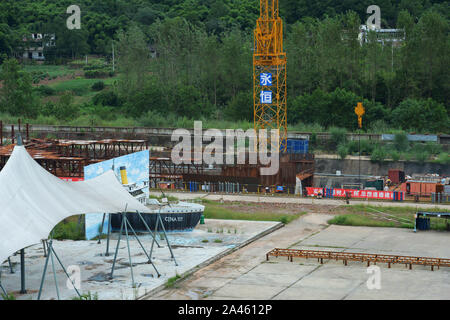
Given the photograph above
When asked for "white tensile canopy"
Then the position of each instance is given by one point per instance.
(33, 201)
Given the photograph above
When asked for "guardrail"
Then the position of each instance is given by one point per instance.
(168, 132)
(360, 257)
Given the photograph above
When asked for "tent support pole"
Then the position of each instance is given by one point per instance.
(154, 239)
(45, 248)
(148, 228)
(108, 235)
(50, 254)
(45, 270)
(11, 270)
(22, 272)
(54, 277)
(167, 239)
(65, 271)
(101, 230)
(128, 247)
(143, 248)
(117, 249)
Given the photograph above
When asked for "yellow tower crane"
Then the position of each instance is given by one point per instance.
(269, 72)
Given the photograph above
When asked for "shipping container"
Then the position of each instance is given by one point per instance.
(377, 184)
(423, 188)
(396, 176)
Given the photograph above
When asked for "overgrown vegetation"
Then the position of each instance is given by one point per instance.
(380, 151)
(171, 281)
(179, 61)
(375, 216)
(8, 296)
(69, 229)
(215, 210)
(87, 296)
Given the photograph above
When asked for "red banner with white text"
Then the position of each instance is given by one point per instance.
(371, 194)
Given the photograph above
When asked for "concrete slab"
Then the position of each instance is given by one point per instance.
(254, 278)
(211, 283)
(191, 249)
(380, 240)
(267, 279)
(247, 291)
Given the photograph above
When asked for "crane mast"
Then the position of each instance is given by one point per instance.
(269, 72)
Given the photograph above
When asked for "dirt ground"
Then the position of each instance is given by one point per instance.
(285, 208)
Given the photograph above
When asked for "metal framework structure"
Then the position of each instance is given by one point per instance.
(361, 257)
(269, 72)
(67, 158)
(163, 169)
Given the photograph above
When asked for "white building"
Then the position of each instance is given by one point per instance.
(383, 36)
(35, 45)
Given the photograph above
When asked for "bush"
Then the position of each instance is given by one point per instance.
(338, 136)
(401, 142)
(422, 156)
(342, 150)
(378, 155)
(66, 109)
(443, 158)
(48, 109)
(45, 90)
(92, 74)
(98, 86)
(395, 155)
(367, 147)
(106, 98)
(99, 112)
(433, 148)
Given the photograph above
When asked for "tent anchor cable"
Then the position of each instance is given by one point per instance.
(159, 221)
(50, 254)
(1, 286)
(143, 248)
(148, 228)
(125, 223)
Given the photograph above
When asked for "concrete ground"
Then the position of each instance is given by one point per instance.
(245, 274)
(191, 249)
(293, 199)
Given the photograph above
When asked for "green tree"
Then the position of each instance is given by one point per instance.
(423, 115)
(240, 107)
(133, 61)
(16, 94)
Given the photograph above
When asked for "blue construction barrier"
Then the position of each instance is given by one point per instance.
(297, 146)
(328, 192)
(399, 196)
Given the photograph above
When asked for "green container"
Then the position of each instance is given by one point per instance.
(377, 184)
(202, 219)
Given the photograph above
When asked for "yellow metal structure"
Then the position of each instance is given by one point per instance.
(269, 97)
(359, 110)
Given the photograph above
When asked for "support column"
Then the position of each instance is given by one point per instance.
(22, 272)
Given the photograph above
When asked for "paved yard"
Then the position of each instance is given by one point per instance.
(246, 275)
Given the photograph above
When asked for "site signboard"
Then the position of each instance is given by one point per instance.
(362, 194)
